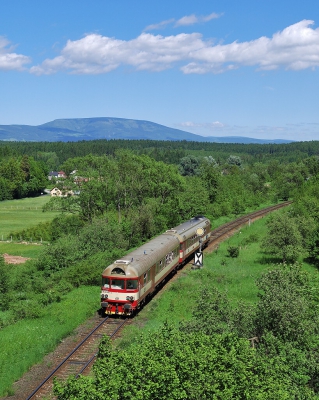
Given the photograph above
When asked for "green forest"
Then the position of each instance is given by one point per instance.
(117, 195)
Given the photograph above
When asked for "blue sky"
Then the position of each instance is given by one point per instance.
(214, 68)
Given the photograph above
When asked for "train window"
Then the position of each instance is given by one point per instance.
(145, 278)
(117, 284)
(159, 266)
(117, 271)
(175, 253)
(131, 284)
(105, 282)
(169, 257)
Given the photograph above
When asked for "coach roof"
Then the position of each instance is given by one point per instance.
(138, 261)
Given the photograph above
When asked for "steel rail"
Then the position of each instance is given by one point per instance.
(94, 356)
(239, 221)
(67, 358)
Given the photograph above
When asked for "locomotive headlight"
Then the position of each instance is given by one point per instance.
(127, 297)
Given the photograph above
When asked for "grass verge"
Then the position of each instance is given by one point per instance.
(28, 341)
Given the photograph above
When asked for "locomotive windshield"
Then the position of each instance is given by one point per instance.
(105, 282)
(131, 284)
(117, 284)
(121, 284)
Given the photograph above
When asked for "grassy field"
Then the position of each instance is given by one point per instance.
(20, 214)
(20, 249)
(16, 215)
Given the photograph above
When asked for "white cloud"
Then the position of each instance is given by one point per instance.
(160, 25)
(295, 48)
(195, 19)
(206, 18)
(10, 60)
(96, 54)
(184, 21)
(187, 20)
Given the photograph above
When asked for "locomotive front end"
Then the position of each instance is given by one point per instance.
(120, 289)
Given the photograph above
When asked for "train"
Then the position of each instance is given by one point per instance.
(129, 282)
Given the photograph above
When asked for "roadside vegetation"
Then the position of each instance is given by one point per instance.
(126, 197)
(26, 342)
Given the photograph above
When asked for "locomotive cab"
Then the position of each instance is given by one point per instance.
(119, 291)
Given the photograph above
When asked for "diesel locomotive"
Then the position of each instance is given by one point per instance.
(130, 281)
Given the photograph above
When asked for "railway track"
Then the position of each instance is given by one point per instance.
(80, 359)
(225, 231)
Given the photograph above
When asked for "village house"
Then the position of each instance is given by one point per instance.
(56, 175)
(56, 192)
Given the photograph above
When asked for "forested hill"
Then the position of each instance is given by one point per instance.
(73, 130)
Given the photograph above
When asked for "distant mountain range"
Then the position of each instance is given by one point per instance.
(75, 129)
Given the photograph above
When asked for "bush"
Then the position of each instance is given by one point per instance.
(27, 309)
(66, 224)
(42, 231)
(233, 251)
(252, 238)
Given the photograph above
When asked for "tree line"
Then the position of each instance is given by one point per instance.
(21, 176)
(53, 154)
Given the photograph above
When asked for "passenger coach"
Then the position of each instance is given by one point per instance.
(131, 280)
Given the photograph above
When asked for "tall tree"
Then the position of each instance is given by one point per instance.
(283, 238)
(288, 305)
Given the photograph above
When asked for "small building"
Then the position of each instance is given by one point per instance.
(56, 175)
(56, 192)
(53, 175)
(61, 174)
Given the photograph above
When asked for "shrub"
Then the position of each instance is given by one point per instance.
(42, 231)
(27, 309)
(252, 238)
(233, 251)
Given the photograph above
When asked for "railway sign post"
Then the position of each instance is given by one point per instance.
(198, 263)
(198, 259)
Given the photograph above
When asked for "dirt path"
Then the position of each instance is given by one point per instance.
(14, 259)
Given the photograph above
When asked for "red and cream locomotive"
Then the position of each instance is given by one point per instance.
(129, 281)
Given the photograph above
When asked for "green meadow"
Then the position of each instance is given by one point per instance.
(20, 214)
(16, 215)
(27, 341)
